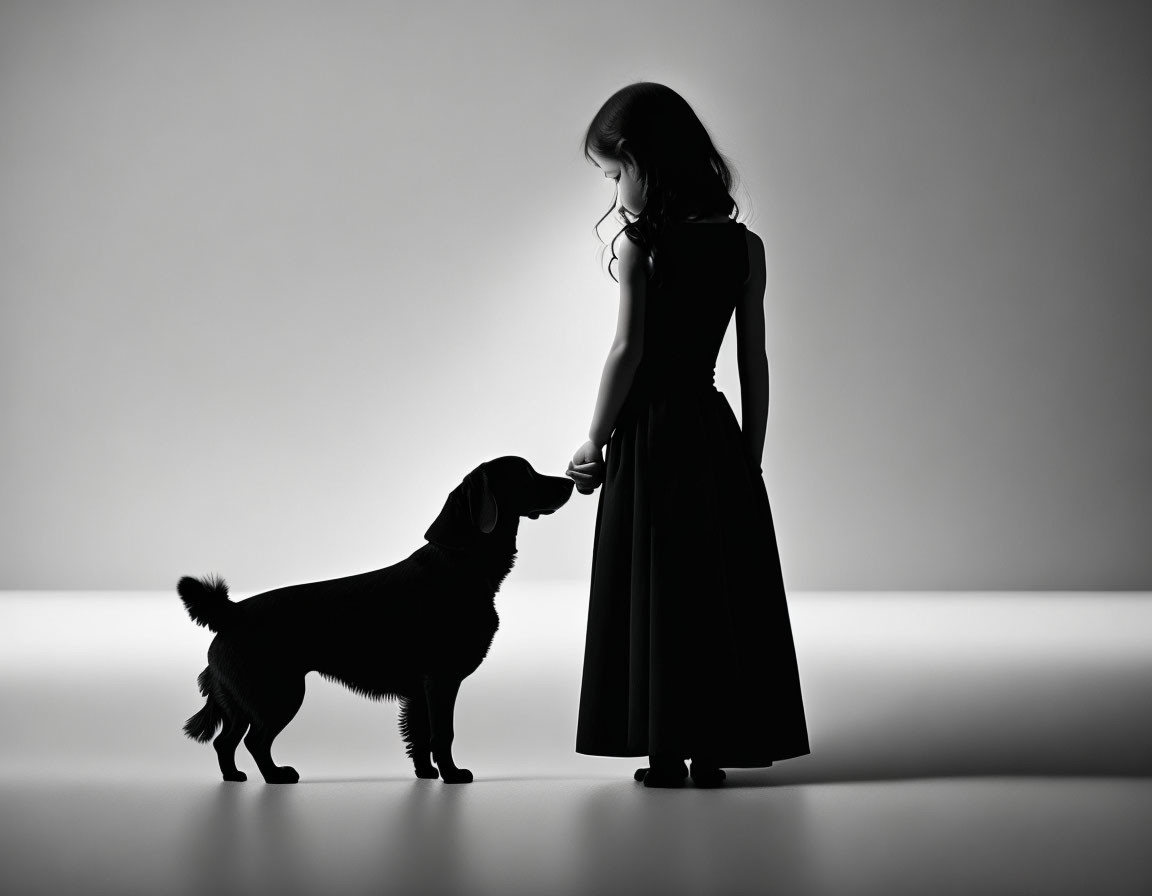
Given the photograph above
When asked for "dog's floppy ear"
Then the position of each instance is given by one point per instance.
(469, 511)
(482, 507)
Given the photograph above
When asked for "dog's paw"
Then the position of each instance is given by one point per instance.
(457, 776)
(427, 772)
(283, 774)
(235, 776)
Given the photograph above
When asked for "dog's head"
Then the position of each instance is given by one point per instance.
(493, 497)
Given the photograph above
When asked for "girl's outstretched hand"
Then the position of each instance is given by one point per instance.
(586, 468)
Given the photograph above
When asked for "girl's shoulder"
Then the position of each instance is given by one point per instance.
(757, 263)
(755, 244)
(633, 255)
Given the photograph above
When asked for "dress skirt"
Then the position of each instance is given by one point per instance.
(689, 647)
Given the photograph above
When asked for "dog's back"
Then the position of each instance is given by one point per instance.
(374, 632)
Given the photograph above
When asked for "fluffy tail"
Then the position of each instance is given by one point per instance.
(203, 725)
(207, 601)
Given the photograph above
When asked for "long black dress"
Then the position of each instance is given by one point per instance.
(689, 646)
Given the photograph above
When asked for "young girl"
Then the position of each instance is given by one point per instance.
(689, 651)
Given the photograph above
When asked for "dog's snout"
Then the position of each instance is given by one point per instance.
(549, 494)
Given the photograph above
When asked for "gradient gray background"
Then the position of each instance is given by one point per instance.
(275, 276)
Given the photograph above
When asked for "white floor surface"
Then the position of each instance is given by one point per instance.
(961, 743)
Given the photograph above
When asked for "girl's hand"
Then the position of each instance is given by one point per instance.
(588, 477)
(586, 468)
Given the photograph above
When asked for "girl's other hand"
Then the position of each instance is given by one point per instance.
(586, 468)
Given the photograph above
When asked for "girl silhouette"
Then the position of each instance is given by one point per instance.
(689, 651)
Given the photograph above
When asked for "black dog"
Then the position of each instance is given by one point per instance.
(413, 630)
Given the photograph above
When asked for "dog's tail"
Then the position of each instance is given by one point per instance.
(203, 725)
(207, 601)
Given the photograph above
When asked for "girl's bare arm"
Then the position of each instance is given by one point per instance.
(627, 346)
(751, 355)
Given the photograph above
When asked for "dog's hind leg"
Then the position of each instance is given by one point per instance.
(226, 743)
(278, 707)
(440, 692)
(417, 734)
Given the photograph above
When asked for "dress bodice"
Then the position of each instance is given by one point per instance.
(703, 268)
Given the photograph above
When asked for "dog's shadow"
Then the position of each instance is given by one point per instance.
(296, 838)
(480, 779)
(367, 780)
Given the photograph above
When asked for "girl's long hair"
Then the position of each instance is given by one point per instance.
(681, 171)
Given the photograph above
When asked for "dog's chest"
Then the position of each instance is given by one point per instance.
(462, 636)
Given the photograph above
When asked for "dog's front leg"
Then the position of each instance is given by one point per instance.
(441, 694)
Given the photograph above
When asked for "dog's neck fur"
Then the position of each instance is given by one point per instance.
(494, 562)
(495, 568)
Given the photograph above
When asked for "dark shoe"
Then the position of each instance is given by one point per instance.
(657, 778)
(707, 775)
(663, 773)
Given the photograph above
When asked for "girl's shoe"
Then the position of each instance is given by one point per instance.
(707, 775)
(663, 774)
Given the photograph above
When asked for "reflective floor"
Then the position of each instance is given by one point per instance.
(968, 744)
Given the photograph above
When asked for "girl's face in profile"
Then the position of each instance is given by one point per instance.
(630, 190)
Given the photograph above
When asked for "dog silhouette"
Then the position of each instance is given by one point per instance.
(413, 630)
